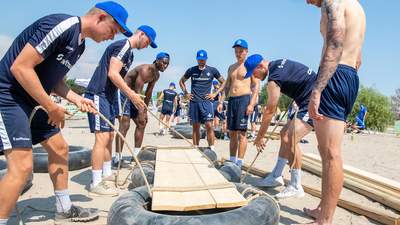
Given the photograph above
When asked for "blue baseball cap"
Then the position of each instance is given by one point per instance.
(150, 33)
(172, 84)
(118, 12)
(251, 63)
(201, 55)
(215, 82)
(240, 43)
(162, 55)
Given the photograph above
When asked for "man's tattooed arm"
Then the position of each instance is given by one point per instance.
(335, 34)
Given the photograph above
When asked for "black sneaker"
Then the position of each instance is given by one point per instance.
(77, 214)
(124, 164)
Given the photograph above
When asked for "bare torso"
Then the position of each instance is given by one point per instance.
(354, 32)
(238, 85)
(141, 75)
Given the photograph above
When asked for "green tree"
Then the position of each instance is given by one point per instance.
(73, 86)
(396, 104)
(379, 109)
(284, 100)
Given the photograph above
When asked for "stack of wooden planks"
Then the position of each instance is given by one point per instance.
(185, 181)
(378, 188)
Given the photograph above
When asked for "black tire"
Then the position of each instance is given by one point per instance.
(231, 171)
(211, 155)
(147, 154)
(78, 158)
(3, 171)
(137, 178)
(218, 133)
(132, 209)
(187, 132)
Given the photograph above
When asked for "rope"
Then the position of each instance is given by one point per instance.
(268, 138)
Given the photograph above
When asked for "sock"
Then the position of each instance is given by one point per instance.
(3, 221)
(295, 178)
(239, 162)
(280, 165)
(136, 151)
(212, 147)
(63, 202)
(233, 158)
(107, 168)
(96, 177)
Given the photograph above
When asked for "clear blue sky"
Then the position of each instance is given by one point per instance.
(276, 29)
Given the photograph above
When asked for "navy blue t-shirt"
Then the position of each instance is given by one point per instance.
(169, 97)
(201, 81)
(295, 79)
(100, 84)
(57, 38)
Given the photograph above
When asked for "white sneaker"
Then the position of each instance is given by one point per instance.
(291, 191)
(103, 189)
(270, 181)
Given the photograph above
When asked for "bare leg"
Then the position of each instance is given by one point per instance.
(99, 148)
(233, 143)
(196, 133)
(216, 122)
(140, 122)
(124, 124)
(19, 167)
(210, 133)
(108, 152)
(57, 149)
(242, 144)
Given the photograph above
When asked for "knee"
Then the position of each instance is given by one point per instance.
(62, 148)
(284, 137)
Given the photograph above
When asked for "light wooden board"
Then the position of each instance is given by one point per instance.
(179, 170)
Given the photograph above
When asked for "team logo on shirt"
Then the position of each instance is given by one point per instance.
(282, 63)
(208, 74)
(65, 62)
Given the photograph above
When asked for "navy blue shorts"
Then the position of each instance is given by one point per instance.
(121, 104)
(237, 107)
(200, 112)
(254, 115)
(337, 99)
(15, 129)
(302, 114)
(105, 107)
(167, 109)
(177, 112)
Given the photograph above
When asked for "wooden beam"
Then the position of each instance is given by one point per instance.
(372, 213)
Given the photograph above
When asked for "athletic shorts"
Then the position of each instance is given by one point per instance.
(124, 107)
(237, 107)
(302, 114)
(254, 115)
(201, 112)
(15, 129)
(337, 99)
(177, 112)
(167, 108)
(105, 107)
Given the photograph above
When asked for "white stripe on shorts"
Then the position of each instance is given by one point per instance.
(97, 117)
(3, 135)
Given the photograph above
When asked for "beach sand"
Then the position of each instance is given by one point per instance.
(377, 153)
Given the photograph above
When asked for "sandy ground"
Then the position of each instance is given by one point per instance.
(372, 152)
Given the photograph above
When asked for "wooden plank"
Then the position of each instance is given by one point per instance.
(373, 193)
(378, 215)
(193, 171)
(367, 176)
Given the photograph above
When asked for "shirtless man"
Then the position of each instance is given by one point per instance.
(242, 99)
(32, 68)
(343, 26)
(169, 102)
(200, 108)
(136, 79)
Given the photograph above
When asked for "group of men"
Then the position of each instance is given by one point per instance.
(44, 52)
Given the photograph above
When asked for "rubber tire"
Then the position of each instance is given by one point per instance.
(137, 178)
(218, 133)
(211, 155)
(3, 171)
(147, 154)
(187, 132)
(129, 209)
(78, 158)
(231, 171)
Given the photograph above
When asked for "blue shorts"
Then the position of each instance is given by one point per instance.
(124, 107)
(302, 113)
(337, 99)
(254, 115)
(105, 107)
(237, 107)
(200, 112)
(15, 129)
(167, 109)
(177, 112)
